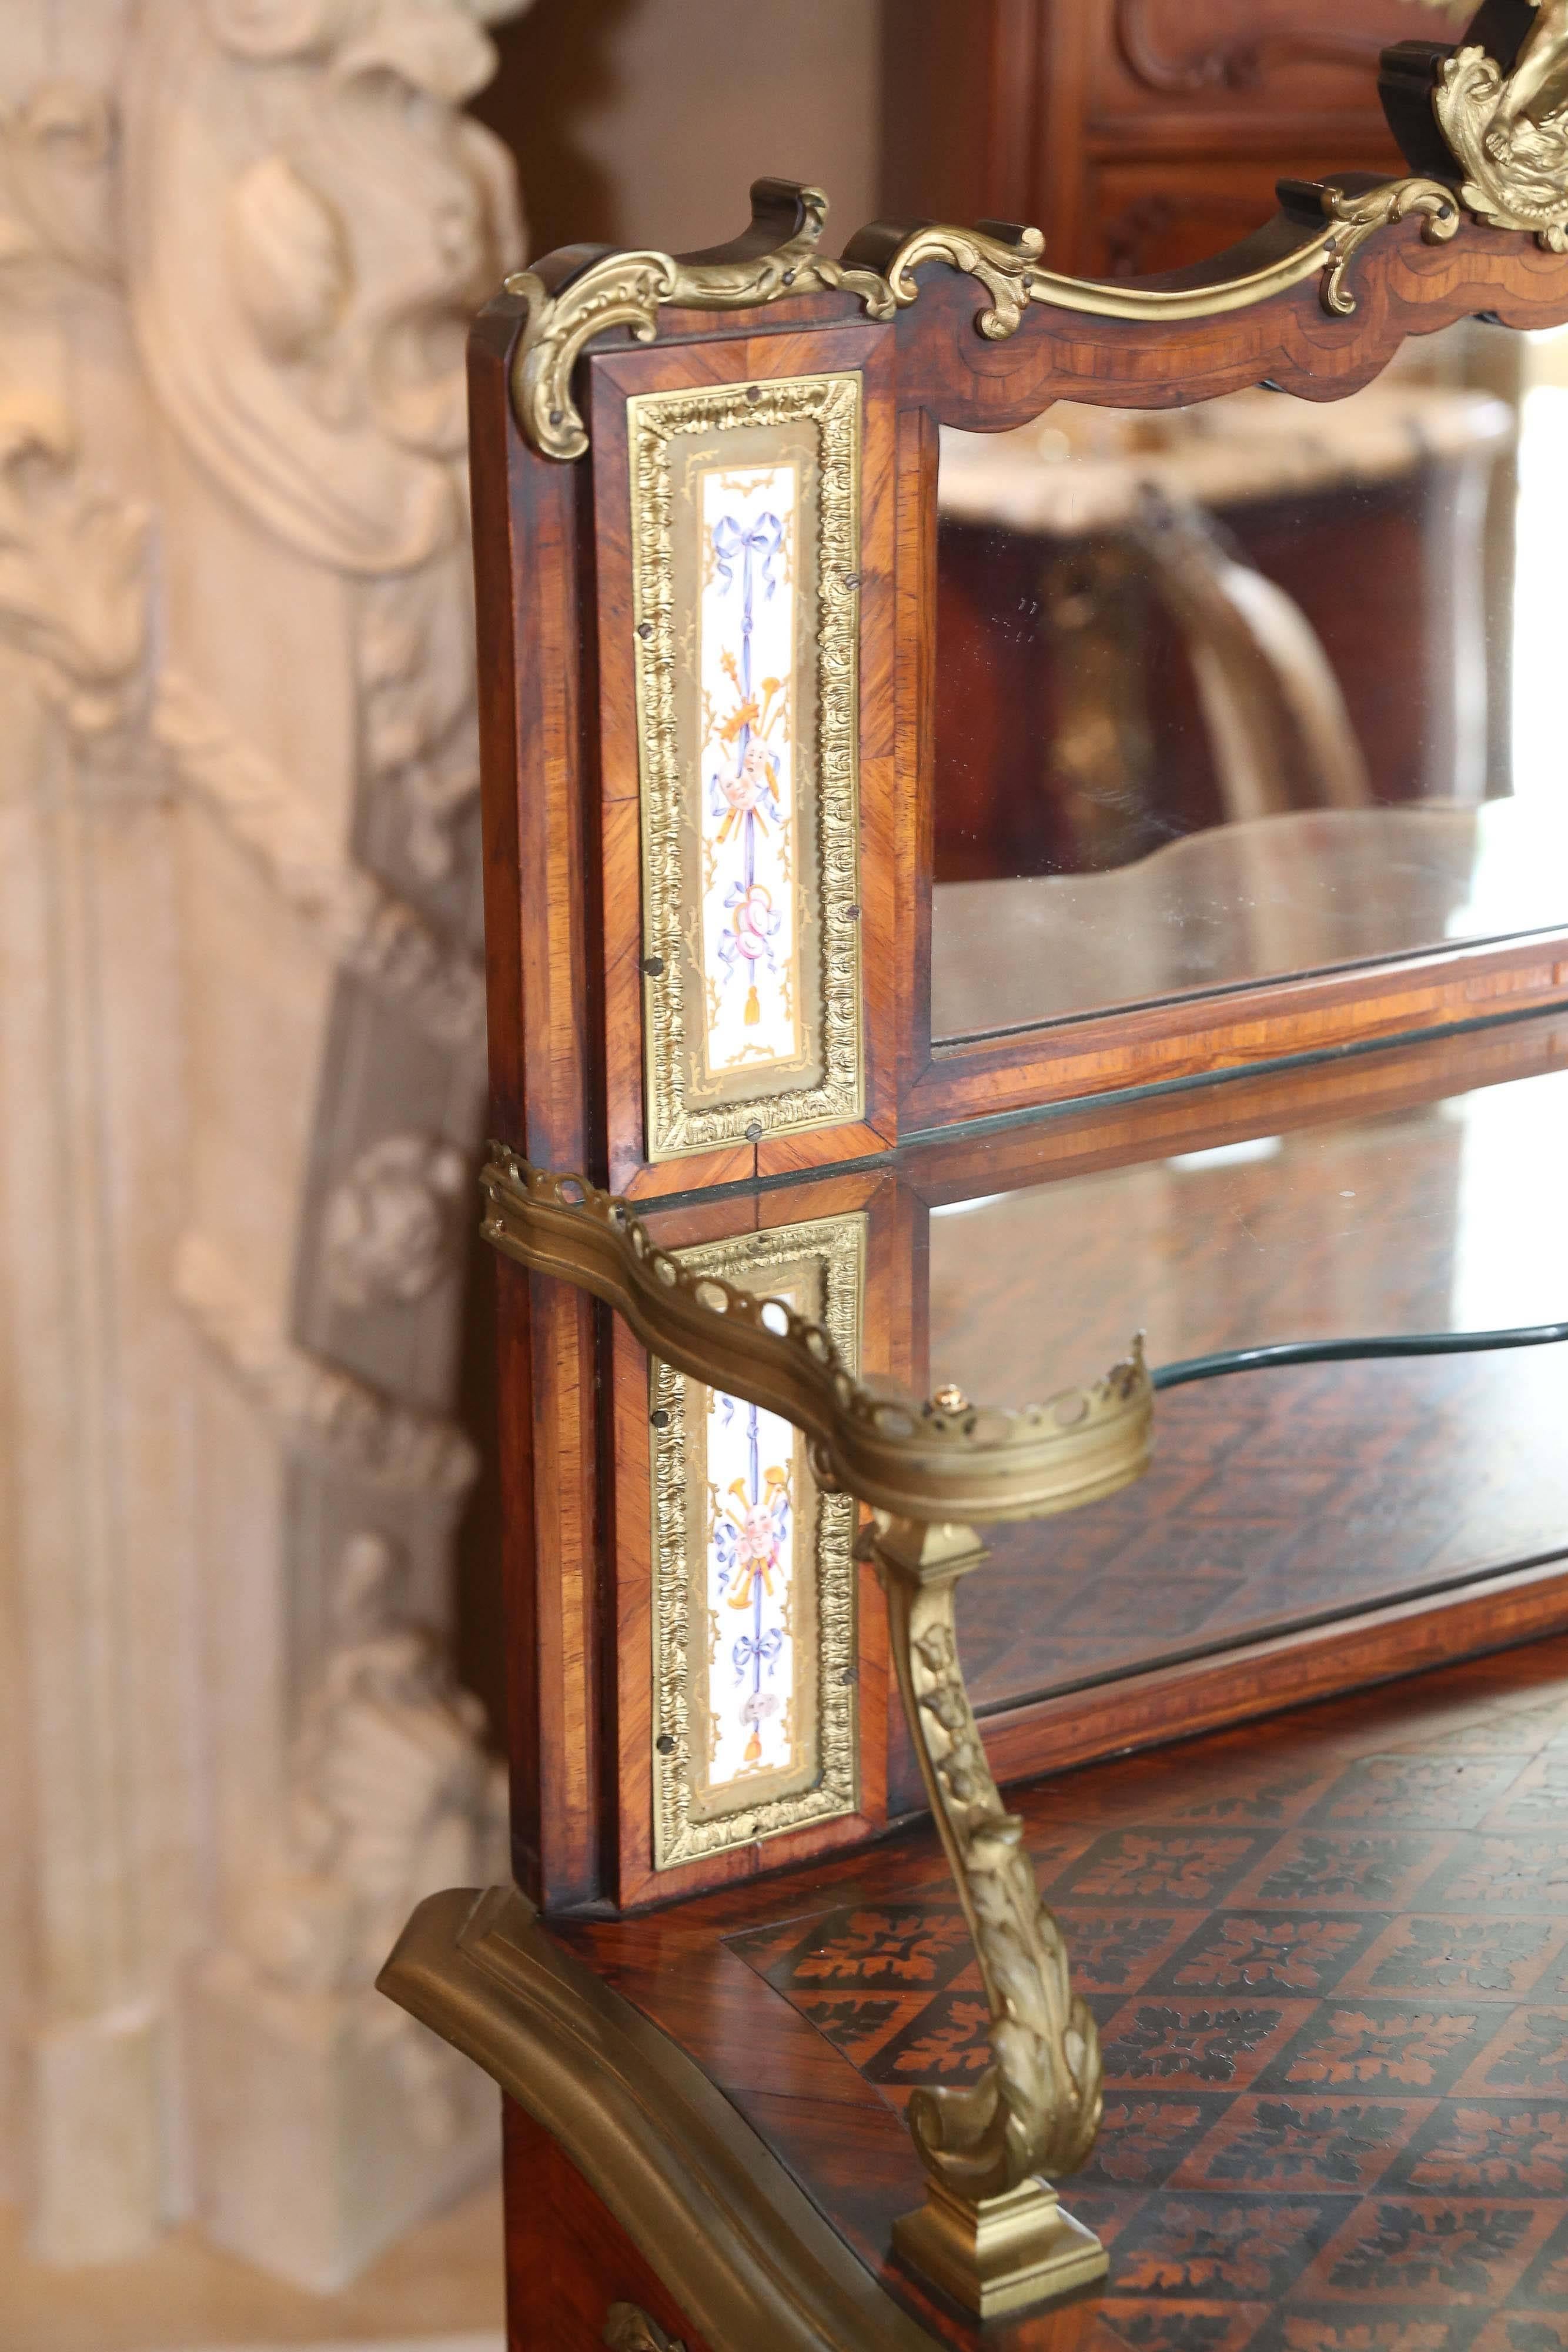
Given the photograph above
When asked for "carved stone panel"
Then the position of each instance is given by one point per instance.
(241, 1065)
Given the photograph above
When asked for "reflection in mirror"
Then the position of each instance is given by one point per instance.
(1257, 687)
(1287, 1498)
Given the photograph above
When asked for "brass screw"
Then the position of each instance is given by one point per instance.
(950, 1399)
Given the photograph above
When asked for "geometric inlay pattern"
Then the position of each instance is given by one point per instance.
(1331, 1975)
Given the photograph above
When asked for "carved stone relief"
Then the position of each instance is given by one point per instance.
(338, 222)
(389, 1794)
(56, 142)
(80, 834)
(393, 1225)
(390, 1798)
(72, 582)
(241, 1032)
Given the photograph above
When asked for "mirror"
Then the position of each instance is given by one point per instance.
(1291, 1497)
(1258, 687)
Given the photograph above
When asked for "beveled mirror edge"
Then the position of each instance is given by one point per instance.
(945, 1460)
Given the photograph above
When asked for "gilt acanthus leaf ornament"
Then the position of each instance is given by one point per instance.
(628, 289)
(1509, 131)
(628, 2328)
(1358, 216)
(571, 303)
(1004, 269)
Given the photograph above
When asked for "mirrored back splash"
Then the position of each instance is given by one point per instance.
(1248, 689)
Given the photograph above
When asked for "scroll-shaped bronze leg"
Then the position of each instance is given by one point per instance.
(991, 2233)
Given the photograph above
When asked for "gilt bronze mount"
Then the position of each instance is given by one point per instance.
(628, 2328)
(992, 2232)
(1510, 130)
(1490, 139)
(879, 266)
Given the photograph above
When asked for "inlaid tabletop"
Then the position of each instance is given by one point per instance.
(1329, 1959)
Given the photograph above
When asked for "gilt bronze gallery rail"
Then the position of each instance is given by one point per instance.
(930, 1461)
(992, 2232)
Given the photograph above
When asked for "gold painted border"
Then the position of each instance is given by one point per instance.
(674, 1127)
(839, 1244)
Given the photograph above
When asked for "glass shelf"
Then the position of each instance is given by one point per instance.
(1410, 1191)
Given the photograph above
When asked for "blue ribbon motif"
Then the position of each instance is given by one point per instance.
(731, 543)
(754, 550)
(758, 1650)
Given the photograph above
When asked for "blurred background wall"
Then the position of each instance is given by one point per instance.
(246, 1575)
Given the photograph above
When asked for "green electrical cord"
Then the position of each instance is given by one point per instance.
(1348, 1351)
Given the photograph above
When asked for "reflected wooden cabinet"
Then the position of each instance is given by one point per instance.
(1140, 134)
(1370, 516)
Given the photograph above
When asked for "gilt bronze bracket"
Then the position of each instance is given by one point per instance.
(992, 2232)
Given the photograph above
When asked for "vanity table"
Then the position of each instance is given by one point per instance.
(893, 1409)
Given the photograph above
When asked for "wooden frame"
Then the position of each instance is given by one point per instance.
(1030, 1736)
(560, 813)
(615, 379)
(1415, 288)
(655, 729)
